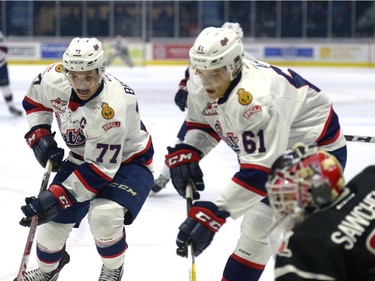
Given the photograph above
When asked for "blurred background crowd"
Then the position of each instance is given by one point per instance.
(149, 20)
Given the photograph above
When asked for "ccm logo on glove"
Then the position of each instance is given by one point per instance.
(182, 157)
(60, 196)
(207, 218)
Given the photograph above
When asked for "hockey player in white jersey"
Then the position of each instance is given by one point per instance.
(181, 101)
(4, 78)
(108, 172)
(258, 110)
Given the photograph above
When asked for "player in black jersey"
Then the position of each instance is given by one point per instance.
(328, 227)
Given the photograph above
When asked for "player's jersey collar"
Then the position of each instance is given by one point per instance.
(76, 101)
(232, 85)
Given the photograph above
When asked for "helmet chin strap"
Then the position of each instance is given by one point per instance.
(236, 70)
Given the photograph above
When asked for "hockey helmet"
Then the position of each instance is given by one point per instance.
(215, 48)
(84, 54)
(303, 181)
(235, 26)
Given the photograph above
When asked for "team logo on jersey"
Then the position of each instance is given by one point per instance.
(210, 109)
(58, 68)
(244, 97)
(229, 138)
(74, 137)
(107, 111)
(59, 104)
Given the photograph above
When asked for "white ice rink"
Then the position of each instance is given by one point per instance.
(151, 239)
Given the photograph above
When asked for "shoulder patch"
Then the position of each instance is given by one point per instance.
(244, 97)
(111, 125)
(107, 111)
(250, 111)
(58, 68)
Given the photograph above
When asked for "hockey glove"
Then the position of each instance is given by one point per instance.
(46, 206)
(183, 162)
(45, 147)
(181, 96)
(204, 220)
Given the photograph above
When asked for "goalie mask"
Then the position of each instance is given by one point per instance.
(84, 54)
(215, 48)
(303, 181)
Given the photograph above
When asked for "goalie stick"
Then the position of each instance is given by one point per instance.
(360, 138)
(33, 225)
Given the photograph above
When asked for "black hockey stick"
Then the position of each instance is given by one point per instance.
(360, 138)
(33, 225)
(189, 203)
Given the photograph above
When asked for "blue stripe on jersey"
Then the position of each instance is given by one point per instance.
(331, 130)
(144, 157)
(31, 106)
(252, 179)
(203, 127)
(187, 74)
(90, 178)
(143, 127)
(295, 79)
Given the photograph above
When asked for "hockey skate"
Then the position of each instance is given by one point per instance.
(38, 275)
(160, 183)
(14, 110)
(111, 274)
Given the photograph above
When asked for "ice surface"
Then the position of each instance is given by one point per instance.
(151, 253)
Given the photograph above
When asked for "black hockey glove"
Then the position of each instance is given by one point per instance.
(181, 96)
(45, 147)
(183, 162)
(46, 206)
(203, 221)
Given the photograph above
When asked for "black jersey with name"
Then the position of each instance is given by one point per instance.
(337, 243)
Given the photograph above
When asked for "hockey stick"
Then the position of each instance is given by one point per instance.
(189, 203)
(33, 225)
(360, 138)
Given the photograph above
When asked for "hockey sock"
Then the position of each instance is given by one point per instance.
(239, 269)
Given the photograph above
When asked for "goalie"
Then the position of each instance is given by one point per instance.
(328, 228)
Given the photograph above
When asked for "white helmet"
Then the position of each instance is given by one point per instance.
(215, 48)
(84, 54)
(235, 26)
